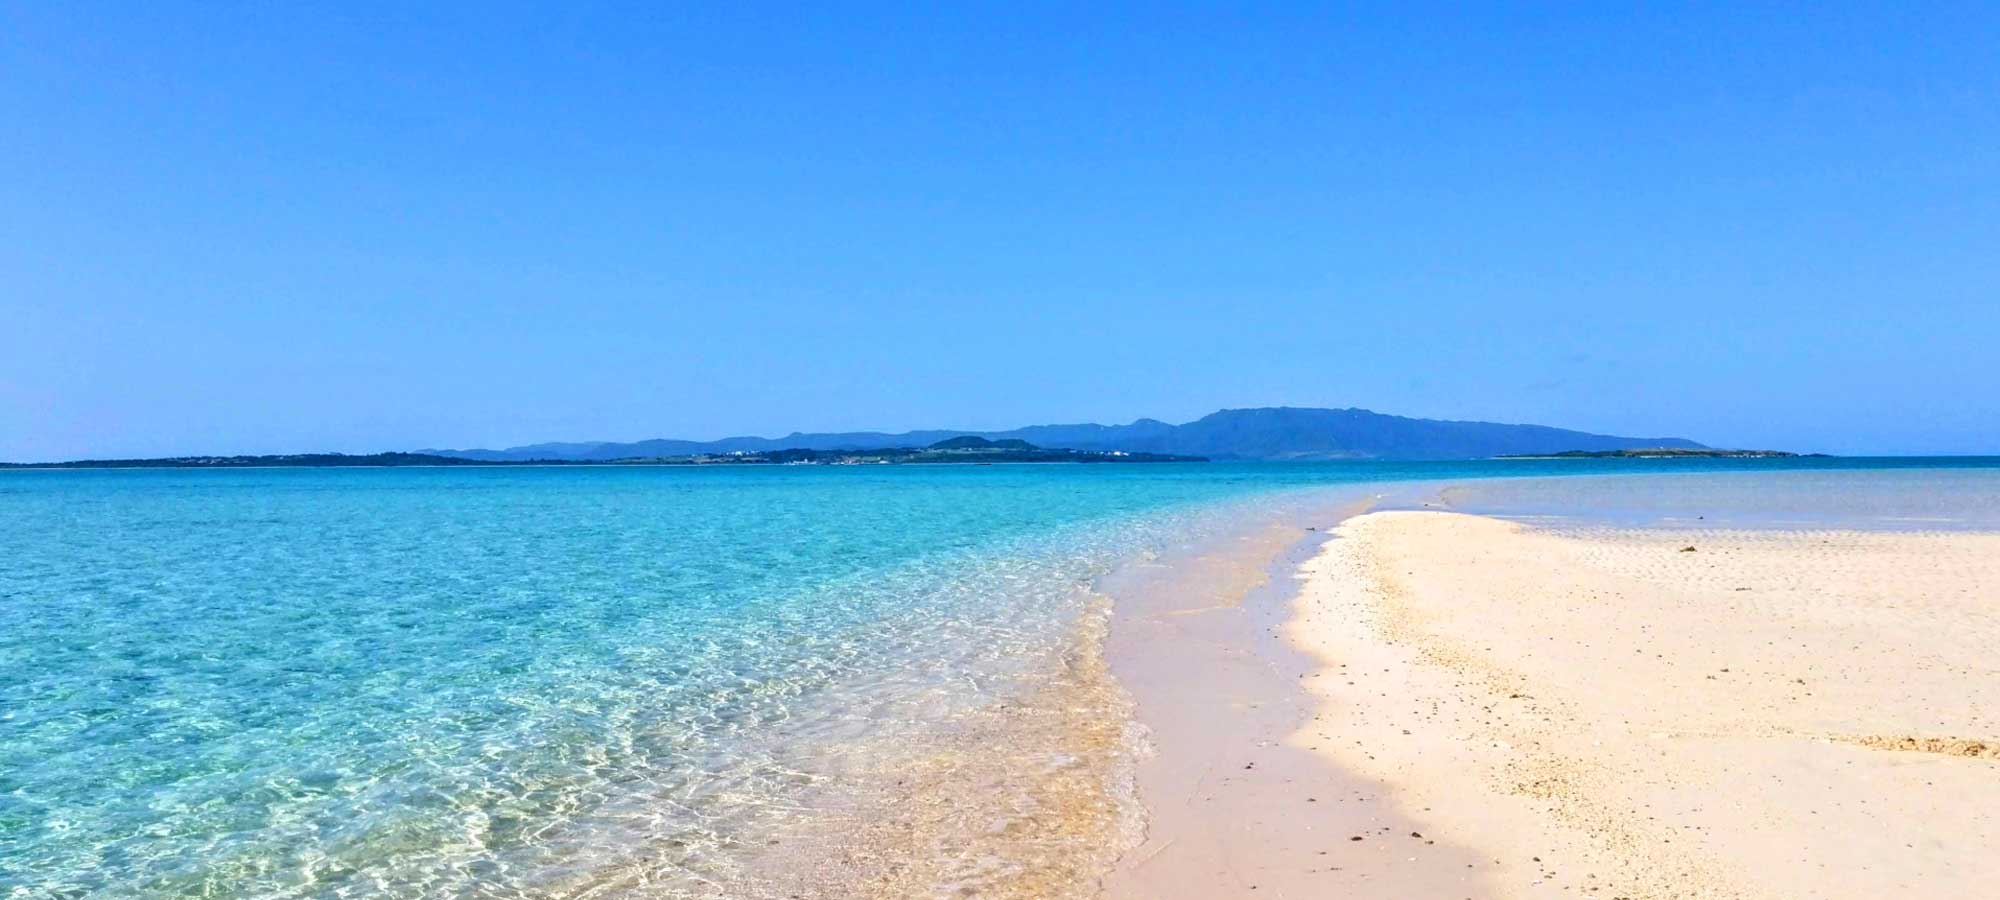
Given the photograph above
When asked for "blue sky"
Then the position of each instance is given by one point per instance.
(290, 227)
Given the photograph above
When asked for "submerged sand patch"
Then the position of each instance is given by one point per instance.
(1604, 712)
(1025, 798)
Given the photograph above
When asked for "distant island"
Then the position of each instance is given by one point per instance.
(952, 450)
(1278, 434)
(958, 450)
(284, 460)
(1661, 453)
(1267, 433)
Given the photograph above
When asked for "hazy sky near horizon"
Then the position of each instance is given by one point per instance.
(293, 227)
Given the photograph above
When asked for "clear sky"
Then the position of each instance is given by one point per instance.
(292, 227)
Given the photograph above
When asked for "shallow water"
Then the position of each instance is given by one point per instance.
(1903, 498)
(580, 681)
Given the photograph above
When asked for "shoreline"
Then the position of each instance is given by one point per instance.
(1234, 804)
(1416, 702)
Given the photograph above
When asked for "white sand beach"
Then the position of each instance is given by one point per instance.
(1650, 714)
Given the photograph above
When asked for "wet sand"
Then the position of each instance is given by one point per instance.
(1238, 804)
(1605, 712)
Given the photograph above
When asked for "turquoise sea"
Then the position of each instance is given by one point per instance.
(511, 682)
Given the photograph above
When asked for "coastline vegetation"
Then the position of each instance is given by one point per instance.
(1662, 453)
(959, 450)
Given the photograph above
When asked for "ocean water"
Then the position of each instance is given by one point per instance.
(570, 682)
(1890, 494)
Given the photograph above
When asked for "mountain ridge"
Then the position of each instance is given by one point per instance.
(1258, 433)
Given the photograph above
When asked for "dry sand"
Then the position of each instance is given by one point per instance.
(1602, 713)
